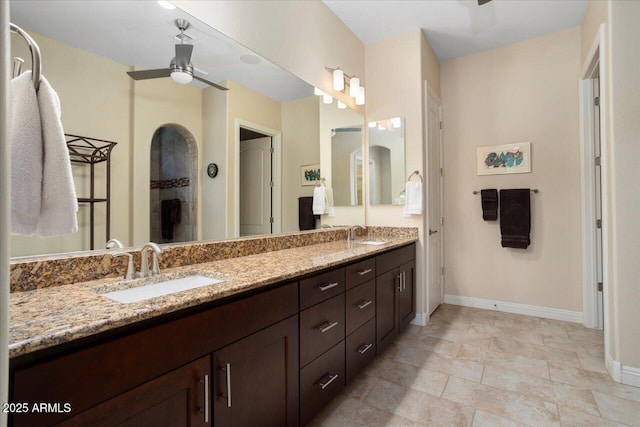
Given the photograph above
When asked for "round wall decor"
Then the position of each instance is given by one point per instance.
(212, 170)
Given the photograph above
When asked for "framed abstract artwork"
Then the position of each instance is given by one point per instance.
(504, 159)
(310, 174)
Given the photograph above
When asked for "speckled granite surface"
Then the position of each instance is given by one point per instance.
(38, 272)
(49, 316)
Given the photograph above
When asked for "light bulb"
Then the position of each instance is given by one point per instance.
(360, 97)
(338, 80)
(341, 105)
(181, 77)
(317, 91)
(327, 99)
(396, 122)
(354, 86)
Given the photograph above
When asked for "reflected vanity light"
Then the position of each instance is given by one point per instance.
(372, 124)
(317, 91)
(327, 99)
(396, 122)
(338, 80)
(354, 86)
(360, 97)
(341, 105)
(166, 4)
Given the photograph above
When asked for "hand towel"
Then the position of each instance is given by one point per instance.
(515, 218)
(489, 200)
(330, 210)
(59, 210)
(413, 198)
(319, 200)
(26, 156)
(306, 220)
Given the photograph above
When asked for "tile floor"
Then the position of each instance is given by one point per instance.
(472, 367)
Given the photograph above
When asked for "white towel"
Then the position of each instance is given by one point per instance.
(59, 211)
(26, 156)
(329, 208)
(319, 200)
(413, 198)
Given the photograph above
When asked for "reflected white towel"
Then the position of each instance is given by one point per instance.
(329, 208)
(26, 156)
(413, 198)
(59, 211)
(319, 200)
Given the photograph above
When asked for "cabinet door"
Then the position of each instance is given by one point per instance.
(179, 398)
(407, 295)
(256, 378)
(386, 309)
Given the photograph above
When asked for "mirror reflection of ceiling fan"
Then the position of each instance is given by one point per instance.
(481, 2)
(180, 69)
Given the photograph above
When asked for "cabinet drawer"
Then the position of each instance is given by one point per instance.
(320, 382)
(360, 305)
(321, 287)
(360, 272)
(361, 349)
(321, 327)
(395, 258)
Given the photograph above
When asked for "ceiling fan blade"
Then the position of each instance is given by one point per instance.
(210, 83)
(481, 2)
(149, 74)
(183, 55)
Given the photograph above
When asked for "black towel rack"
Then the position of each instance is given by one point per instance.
(534, 190)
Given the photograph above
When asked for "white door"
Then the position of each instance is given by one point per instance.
(255, 186)
(598, 197)
(434, 203)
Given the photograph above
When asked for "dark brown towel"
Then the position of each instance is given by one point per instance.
(170, 213)
(515, 218)
(489, 204)
(306, 219)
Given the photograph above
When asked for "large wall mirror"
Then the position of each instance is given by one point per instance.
(87, 48)
(386, 162)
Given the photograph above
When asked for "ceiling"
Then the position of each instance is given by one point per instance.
(141, 34)
(458, 27)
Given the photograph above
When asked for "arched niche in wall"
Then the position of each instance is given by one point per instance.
(174, 185)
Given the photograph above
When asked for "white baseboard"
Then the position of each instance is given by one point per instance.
(614, 368)
(420, 319)
(510, 307)
(630, 376)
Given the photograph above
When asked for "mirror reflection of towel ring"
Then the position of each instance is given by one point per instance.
(212, 170)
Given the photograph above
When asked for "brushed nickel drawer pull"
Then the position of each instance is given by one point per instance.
(324, 328)
(363, 272)
(227, 370)
(329, 286)
(332, 378)
(206, 410)
(364, 304)
(399, 282)
(363, 349)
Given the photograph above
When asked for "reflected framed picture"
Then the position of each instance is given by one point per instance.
(310, 174)
(504, 159)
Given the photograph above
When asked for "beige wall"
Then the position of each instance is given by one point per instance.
(625, 176)
(95, 103)
(523, 92)
(597, 13)
(300, 146)
(396, 68)
(302, 37)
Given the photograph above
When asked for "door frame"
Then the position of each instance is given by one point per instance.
(276, 171)
(429, 91)
(594, 64)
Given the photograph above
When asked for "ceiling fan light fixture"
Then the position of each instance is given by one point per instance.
(181, 77)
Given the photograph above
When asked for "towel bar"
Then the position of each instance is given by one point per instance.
(35, 53)
(535, 190)
(415, 173)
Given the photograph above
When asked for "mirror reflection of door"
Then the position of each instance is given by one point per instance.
(174, 160)
(386, 162)
(255, 183)
(346, 165)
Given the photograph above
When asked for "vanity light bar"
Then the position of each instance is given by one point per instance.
(341, 79)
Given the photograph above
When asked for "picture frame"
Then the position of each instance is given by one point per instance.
(309, 175)
(504, 159)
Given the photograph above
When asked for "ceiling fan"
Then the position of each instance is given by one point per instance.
(180, 68)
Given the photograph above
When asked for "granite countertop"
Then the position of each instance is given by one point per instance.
(47, 317)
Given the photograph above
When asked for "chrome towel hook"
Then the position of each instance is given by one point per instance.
(36, 64)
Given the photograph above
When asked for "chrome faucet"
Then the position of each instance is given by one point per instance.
(144, 260)
(351, 232)
(131, 271)
(114, 243)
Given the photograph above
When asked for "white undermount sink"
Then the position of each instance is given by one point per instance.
(371, 242)
(158, 289)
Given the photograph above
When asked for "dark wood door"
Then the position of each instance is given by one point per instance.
(256, 378)
(386, 309)
(407, 295)
(176, 399)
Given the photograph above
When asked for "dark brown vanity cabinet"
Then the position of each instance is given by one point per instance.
(395, 294)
